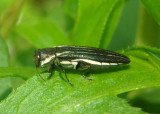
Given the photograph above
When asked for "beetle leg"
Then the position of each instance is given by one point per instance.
(60, 67)
(84, 75)
(50, 71)
(40, 75)
(84, 66)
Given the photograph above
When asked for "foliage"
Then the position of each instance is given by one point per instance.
(28, 25)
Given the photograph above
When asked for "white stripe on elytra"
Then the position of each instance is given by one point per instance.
(47, 60)
(109, 63)
(94, 62)
(70, 63)
(105, 63)
(58, 54)
(88, 61)
(62, 46)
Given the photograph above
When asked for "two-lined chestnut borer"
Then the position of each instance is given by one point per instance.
(78, 58)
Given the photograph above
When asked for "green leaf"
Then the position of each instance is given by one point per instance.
(22, 72)
(93, 17)
(71, 8)
(9, 83)
(153, 7)
(148, 55)
(5, 88)
(57, 98)
(42, 33)
(148, 30)
(147, 99)
(5, 84)
(111, 24)
(96, 96)
(4, 4)
(71, 12)
(3, 53)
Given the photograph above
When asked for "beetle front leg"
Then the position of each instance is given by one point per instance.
(57, 63)
(60, 67)
(50, 70)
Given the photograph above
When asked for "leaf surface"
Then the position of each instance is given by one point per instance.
(21, 72)
(95, 18)
(3, 53)
(153, 7)
(57, 96)
(5, 84)
(43, 33)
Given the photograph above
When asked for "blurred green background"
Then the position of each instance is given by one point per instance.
(55, 10)
(18, 25)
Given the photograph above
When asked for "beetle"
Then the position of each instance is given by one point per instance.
(77, 58)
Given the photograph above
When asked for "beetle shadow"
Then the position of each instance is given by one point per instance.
(87, 73)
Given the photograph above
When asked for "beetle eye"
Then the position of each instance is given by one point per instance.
(37, 58)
